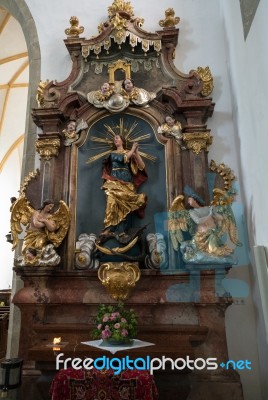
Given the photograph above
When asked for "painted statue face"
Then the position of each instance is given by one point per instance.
(193, 203)
(105, 87)
(48, 207)
(71, 126)
(118, 141)
(128, 85)
(29, 256)
(170, 121)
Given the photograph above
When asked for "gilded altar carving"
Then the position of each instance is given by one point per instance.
(207, 225)
(45, 228)
(197, 141)
(119, 278)
(120, 5)
(207, 79)
(170, 21)
(40, 93)
(74, 30)
(120, 23)
(47, 148)
(225, 172)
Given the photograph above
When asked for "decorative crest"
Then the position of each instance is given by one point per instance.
(120, 6)
(75, 29)
(170, 20)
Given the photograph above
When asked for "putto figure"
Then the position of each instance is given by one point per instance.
(99, 98)
(72, 131)
(45, 229)
(138, 96)
(172, 129)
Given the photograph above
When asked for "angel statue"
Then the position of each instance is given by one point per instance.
(205, 226)
(45, 230)
(172, 129)
(72, 131)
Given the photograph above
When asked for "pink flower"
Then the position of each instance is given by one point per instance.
(124, 332)
(123, 320)
(105, 319)
(105, 334)
(117, 325)
(99, 327)
(112, 318)
(115, 314)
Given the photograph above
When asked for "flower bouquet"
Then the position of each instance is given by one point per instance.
(115, 325)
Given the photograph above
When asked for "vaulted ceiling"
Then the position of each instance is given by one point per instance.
(14, 82)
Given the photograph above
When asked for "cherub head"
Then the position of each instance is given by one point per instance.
(105, 88)
(71, 126)
(170, 120)
(30, 254)
(128, 85)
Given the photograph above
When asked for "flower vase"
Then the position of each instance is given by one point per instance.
(109, 342)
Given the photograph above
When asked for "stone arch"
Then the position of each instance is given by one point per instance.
(21, 12)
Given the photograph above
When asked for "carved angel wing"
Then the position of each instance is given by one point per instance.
(221, 202)
(80, 125)
(228, 223)
(179, 221)
(62, 221)
(21, 212)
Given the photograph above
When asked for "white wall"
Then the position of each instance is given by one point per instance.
(210, 34)
(247, 64)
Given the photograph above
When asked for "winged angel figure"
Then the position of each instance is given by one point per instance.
(202, 231)
(45, 230)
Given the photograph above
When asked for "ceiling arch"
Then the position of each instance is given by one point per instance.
(14, 82)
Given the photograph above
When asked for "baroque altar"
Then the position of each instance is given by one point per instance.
(125, 205)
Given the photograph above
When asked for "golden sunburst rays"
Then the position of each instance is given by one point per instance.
(130, 132)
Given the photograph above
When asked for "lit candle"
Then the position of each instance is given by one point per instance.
(56, 340)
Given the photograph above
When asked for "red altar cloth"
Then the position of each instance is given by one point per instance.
(71, 384)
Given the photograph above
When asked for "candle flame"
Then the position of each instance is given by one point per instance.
(56, 340)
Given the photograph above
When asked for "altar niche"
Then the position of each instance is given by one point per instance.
(91, 201)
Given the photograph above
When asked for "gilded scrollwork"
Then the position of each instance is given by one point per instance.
(120, 5)
(207, 79)
(225, 173)
(47, 148)
(197, 141)
(119, 278)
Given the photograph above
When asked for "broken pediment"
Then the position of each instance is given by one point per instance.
(122, 49)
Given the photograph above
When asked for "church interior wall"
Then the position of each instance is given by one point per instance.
(247, 61)
(209, 35)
